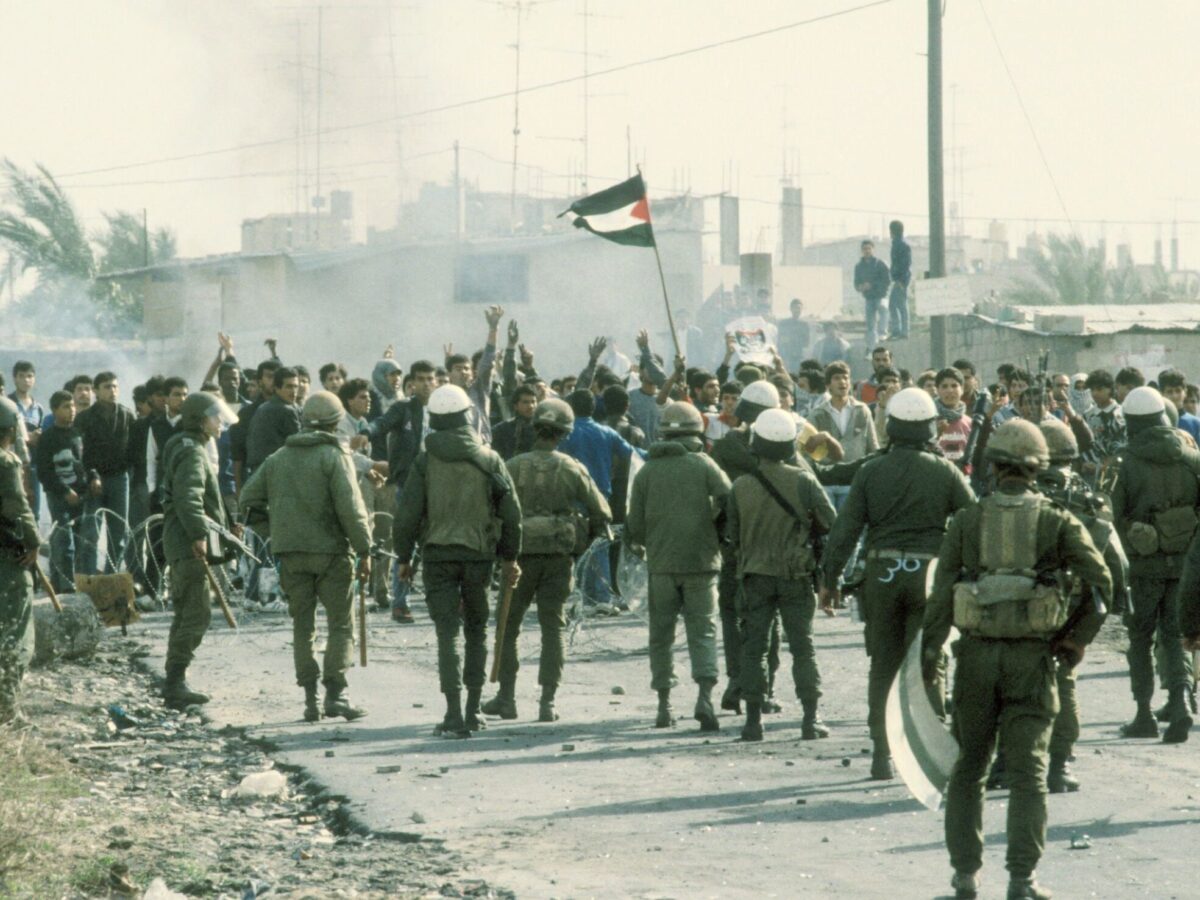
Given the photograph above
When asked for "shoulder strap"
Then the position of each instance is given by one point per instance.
(775, 495)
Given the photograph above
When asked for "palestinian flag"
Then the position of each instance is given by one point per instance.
(620, 214)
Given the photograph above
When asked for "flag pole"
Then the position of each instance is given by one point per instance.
(662, 280)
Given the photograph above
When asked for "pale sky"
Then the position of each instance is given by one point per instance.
(1110, 88)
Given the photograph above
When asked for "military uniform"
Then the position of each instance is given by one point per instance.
(18, 536)
(318, 519)
(552, 488)
(191, 497)
(674, 505)
(903, 498)
(775, 562)
(459, 501)
(1155, 511)
(1000, 581)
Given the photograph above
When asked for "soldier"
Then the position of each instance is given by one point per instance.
(1155, 510)
(903, 498)
(460, 502)
(19, 541)
(309, 488)
(732, 453)
(553, 489)
(998, 581)
(674, 507)
(775, 512)
(1062, 485)
(191, 497)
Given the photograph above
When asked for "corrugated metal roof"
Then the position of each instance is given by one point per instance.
(1112, 319)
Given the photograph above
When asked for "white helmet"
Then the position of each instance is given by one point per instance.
(912, 405)
(776, 425)
(448, 400)
(761, 393)
(1143, 401)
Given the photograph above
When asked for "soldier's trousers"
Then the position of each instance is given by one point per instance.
(456, 595)
(308, 579)
(733, 625)
(893, 598)
(1155, 616)
(191, 602)
(1160, 659)
(16, 631)
(1066, 724)
(1006, 689)
(765, 600)
(695, 595)
(546, 581)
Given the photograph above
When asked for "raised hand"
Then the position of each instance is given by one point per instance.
(493, 315)
(597, 348)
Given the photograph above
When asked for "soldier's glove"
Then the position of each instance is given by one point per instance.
(1068, 652)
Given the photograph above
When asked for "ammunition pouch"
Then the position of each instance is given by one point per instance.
(549, 535)
(1009, 605)
(1175, 527)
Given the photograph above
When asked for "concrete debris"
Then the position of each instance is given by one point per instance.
(261, 786)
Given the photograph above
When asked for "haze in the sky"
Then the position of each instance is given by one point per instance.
(95, 89)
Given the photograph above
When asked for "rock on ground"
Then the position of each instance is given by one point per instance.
(74, 633)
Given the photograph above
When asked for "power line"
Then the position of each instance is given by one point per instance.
(1025, 112)
(462, 104)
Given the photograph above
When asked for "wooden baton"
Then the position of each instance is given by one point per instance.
(501, 623)
(362, 622)
(41, 576)
(215, 585)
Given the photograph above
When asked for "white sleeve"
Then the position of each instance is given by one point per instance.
(151, 460)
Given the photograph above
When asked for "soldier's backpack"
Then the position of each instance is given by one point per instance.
(1008, 600)
(549, 523)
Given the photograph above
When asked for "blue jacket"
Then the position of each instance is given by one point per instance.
(596, 446)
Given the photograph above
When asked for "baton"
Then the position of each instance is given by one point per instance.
(362, 622)
(212, 581)
(41, 576)
(501, 622)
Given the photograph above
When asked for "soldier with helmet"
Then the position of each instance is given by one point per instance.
(774, 514)
(1066, 488)
(460, 503)
(318, 523)
(998, 581)
(732, 453)
(1155, 505)
(19, 541)
(903, 498)
(559, 504)
(191, 498)
(676, 506)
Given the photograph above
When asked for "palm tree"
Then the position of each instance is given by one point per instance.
(40, 228)
(1068, 272)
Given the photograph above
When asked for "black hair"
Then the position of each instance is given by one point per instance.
(896, 228)
(169, 384)
(267, 367)
(58, 398)
(964, 366)
(422, 367)
(616, 400)
(582, 403)
(104, 378)
(951, 372)
(1100, 378)
(522, 390)
(328, 369)
(282, 374)
(1131, 377)
(23, 365)
(352, 388)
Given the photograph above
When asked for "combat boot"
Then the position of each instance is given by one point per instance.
(1163, 713)
(731, 700)
(811, 727)
(965, 885)
(881, 765)
(1027, 889)
(475, 721)
(337, 704)
(504, 704)
(753, 730)
(1179, 717)
(546, 711)
(1059, 779)
(177, 694)
(312, 711)
(666, 715)
(1143, 724)
(704, 712)
(452, 725)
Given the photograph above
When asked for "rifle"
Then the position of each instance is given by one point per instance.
(216, 586)
(978, 417)
(362, 622)
(501, 622)
(232, 538)
(45, 582)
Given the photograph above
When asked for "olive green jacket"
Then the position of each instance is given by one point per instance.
(677, 498)
(18, 521)
(309, 488)
(572, 492)
(1062, 542)
(766, 538)
(191, 494)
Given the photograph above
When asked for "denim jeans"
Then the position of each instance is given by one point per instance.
(876, 310)
(399, 588)
(114, 496)
(898, 309)
(63, 542)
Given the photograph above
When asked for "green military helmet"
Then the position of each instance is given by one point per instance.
(8, 414)
(555, 414)
(1020, 443)
(198, 407)
(681, 419)
(1060, 440)
(322, 410)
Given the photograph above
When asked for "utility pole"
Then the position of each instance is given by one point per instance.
(458, 198)
(145, 240)
(512, 200)
(937, 204)
(318, 200)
